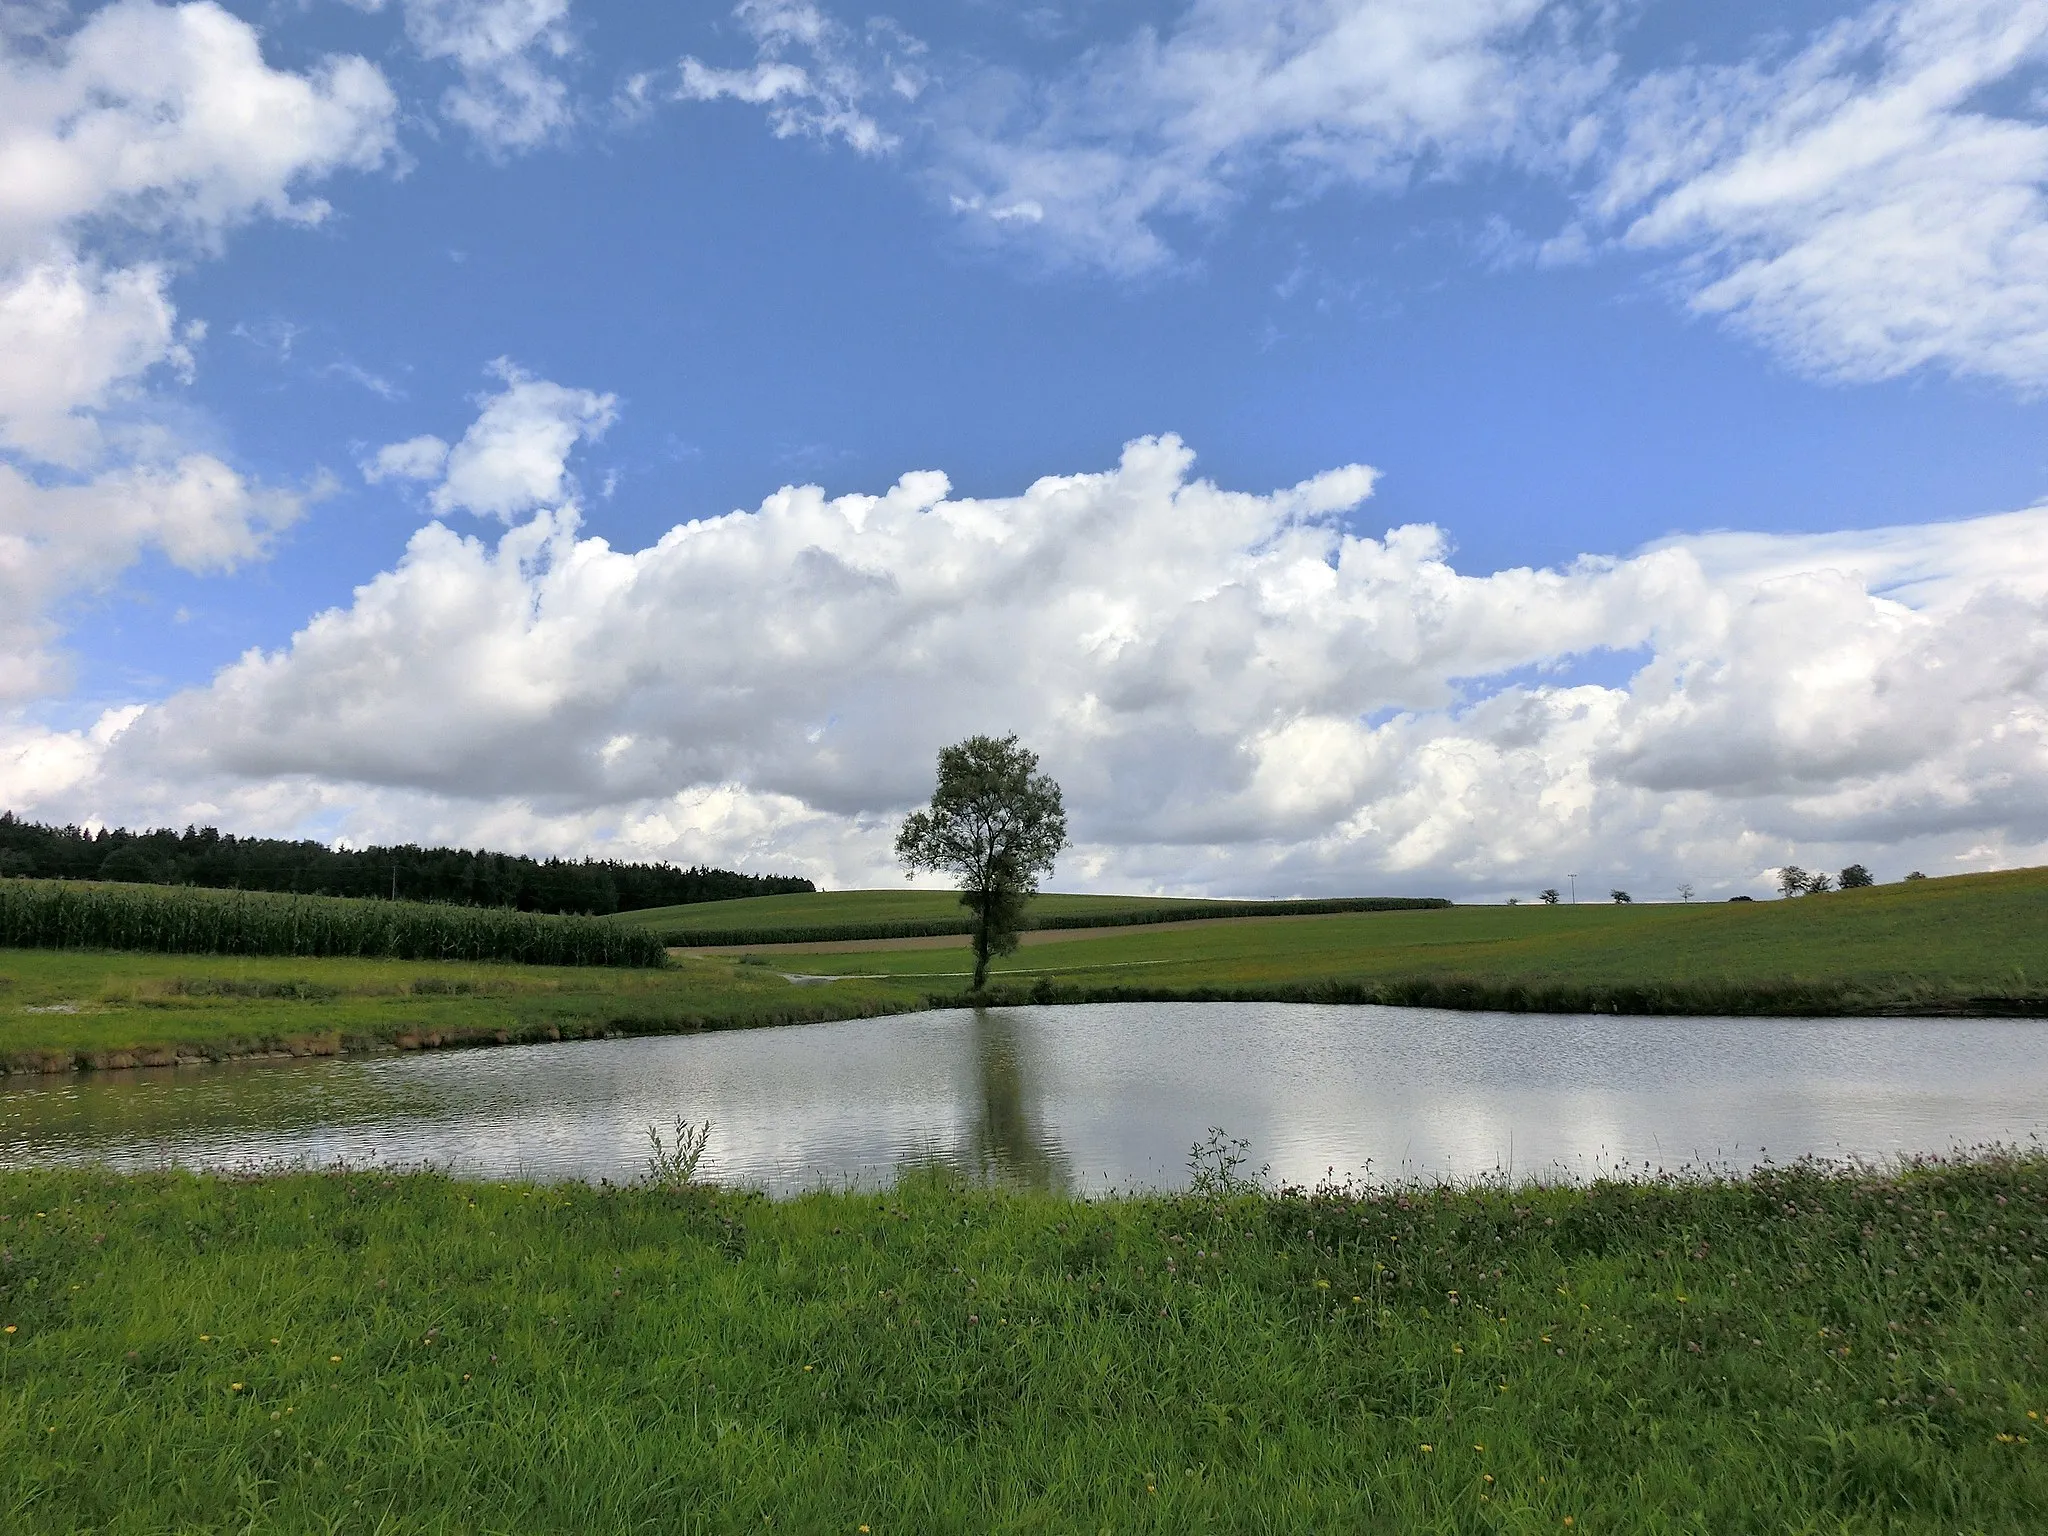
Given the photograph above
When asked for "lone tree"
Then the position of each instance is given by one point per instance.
(995, 824)
(1854, 878)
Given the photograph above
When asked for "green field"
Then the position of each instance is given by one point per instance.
(1936, 943)
(64, 1008)
(842, 909)
(372, 1352)
(196, 920)
(1969, 943)
(894, 914)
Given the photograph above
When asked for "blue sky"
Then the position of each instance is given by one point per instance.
(1599, 291)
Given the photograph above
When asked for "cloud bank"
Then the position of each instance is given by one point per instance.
(1241, 692)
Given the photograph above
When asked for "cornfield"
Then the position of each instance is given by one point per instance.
(40, 914)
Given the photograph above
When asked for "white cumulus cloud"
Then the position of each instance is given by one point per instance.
(128, 143)
(513, 458)
(74, 337)
(168, 118)
(60, 539)
(417, 458)
(1239, 691)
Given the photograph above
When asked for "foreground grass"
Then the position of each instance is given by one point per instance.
(60, 1009)
(1969, 941)
(1799, 1351)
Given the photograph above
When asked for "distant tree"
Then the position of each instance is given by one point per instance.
(1854, 878)
(1916, 875)
(995, 824)
(130, 863)
(1685, 890)
(1621, 898)
(1818, 885)
(1792, 880)
(1549, 897)
(205, 856)
(1514, 901)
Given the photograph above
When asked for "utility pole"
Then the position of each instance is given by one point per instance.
(1575, 888)
(394, 881)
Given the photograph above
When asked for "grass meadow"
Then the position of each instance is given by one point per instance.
(832, 910)
(62, 1008)
(1973, 943)
(860, 915)
(1969, 939)
(1802, 1350)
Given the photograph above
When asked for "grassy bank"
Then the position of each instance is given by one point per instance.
(63, 1009)
(1969, 943)
(63, 914)
(829, 916)
(1795, 1352)
(1976, 943)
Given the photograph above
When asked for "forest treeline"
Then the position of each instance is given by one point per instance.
(204, 856)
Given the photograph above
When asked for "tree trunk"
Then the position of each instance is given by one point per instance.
(981, 943)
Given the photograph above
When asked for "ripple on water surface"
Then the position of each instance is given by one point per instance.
(1092, 1097)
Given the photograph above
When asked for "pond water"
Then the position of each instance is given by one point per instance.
(1092, 1098)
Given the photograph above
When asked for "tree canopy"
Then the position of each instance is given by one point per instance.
(995, 824)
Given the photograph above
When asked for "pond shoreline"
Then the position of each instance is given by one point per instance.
(1790, 1001)
(32, 1062)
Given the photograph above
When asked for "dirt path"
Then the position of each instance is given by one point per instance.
(959, 940)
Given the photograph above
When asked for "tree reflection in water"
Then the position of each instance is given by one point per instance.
(1005, 1144)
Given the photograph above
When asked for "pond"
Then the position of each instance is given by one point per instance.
(1091, 1098)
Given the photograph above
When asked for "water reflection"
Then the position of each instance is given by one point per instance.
(1091, 1098)
(1008, 1142)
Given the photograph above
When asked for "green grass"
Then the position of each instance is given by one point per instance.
(839, 909)
(60, 1009)
(1965, 941)
(901, 914)
(1798, 1352)
(1972, 943)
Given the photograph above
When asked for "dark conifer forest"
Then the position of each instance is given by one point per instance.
(206, 857)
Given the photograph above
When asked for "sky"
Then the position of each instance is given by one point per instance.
(1437, 447)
